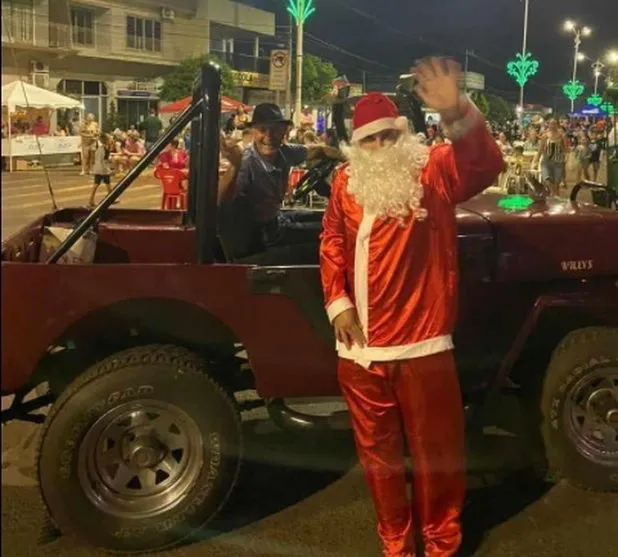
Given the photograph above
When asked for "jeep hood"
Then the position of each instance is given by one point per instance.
(553, 239)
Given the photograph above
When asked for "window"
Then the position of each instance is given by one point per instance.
(18, 21)
(143, 34)
(82, 26)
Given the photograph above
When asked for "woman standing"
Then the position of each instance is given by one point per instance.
(553, 151)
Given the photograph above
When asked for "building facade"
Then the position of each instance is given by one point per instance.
(112, 54)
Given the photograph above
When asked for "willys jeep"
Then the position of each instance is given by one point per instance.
(145, 344)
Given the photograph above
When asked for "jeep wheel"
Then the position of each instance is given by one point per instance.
(140, 451)
(580, 409)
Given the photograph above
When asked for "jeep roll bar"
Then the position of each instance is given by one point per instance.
(611, 199)
(203, 114)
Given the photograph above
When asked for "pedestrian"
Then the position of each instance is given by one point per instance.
(102, 167)
(583, 156)
(388, 262)
(596, 148)
(89, 132)
(151, 127)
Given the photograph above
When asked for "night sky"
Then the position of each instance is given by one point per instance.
(396, 32)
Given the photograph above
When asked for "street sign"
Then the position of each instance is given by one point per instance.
(279, 67)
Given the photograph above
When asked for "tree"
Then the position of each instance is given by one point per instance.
(480, 100)
(318, 76)
(500, 111)
(178, 84)
(113, 120)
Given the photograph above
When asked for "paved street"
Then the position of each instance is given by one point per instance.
(306, 498)
(25, 195)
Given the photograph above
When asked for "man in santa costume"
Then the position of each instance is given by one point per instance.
(389, 270)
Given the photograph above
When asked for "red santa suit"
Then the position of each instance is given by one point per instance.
(401, 277)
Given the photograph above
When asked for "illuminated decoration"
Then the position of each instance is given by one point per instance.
(573, 89)
(523, 67)
(515, 202)
(300, 10)
(608, 108)
(595, 100)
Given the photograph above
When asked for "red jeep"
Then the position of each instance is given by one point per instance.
(144, 340)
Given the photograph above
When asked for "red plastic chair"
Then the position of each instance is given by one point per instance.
(174, 196)
(295, 176)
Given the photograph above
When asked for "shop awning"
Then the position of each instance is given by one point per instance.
(227, 105)
(25, 95)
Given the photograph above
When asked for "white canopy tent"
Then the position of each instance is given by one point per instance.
(25, 95)
(20, 94)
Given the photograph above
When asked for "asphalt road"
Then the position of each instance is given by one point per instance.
(25, 195)
(303, 497)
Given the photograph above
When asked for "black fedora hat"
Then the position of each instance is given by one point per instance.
(268, 113)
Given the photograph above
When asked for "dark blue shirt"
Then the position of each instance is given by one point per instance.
(264, 183)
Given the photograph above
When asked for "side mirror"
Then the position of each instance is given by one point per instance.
(538, 190)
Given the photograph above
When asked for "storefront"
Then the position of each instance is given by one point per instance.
(92, 94)
(134, 100)
(253, 87)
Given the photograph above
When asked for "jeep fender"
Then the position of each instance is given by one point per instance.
(552, 317)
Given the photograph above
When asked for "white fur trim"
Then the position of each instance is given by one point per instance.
(375, 127)
(365, 356)
(471, 117)
(338, 306)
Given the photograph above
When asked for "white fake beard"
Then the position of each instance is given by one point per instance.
(385, 181)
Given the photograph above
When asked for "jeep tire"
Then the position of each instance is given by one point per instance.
(579, 406)
(140, 451)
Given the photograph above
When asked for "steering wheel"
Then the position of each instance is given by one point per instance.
(315, 180)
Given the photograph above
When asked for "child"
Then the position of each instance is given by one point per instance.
(583, 154)
(101, 167)
(515, 183)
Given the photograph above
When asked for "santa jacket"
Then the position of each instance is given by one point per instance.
(403, 280)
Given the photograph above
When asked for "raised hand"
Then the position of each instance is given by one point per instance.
(438, 85)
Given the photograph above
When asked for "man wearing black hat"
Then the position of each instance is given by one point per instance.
(258, 181)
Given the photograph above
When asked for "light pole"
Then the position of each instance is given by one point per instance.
(523, 66)
(523, 52)
(578, 32)
(300, 10)
(597, 66)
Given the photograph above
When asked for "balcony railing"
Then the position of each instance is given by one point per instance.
(60, 35)
(243, 62)
(17, 26)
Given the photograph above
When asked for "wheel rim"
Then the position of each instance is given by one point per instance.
(140, 459)
(591, 414)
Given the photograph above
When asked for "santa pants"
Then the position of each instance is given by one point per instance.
(418, 400)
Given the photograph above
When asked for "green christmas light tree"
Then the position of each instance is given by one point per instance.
(300, 10)
(609, 108)
(522, 68)
(595, 100)
(573, 90)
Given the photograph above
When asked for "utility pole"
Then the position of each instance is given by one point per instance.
(288, 89)
(523, 53)
(466, 72)
(299, 68)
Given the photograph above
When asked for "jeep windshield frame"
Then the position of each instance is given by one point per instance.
(203, 115)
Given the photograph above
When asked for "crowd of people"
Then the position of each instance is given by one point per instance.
(545, 147)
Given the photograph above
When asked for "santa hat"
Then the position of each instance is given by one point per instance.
(374, 113)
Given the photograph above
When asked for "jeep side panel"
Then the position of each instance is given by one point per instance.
(41, 302)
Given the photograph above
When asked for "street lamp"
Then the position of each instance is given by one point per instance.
(300, 10)
(524, 66)
(578, 32)
(597, 68)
